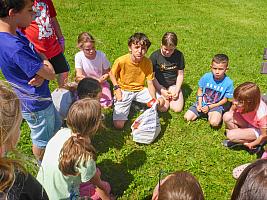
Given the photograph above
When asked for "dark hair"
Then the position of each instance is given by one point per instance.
(252, 183)
(139, 38)
(6, 5)
(84, 119)
(220, 58)
(169, 39)
(88, 87)
(181, 186)
(248, 93)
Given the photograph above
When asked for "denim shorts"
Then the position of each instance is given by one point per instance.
(193, 108)
(43, 124)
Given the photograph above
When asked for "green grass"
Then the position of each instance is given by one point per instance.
(205, 28)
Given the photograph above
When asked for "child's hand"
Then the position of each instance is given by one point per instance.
(165, 93)
(103, 78)
(205, 109)
(199, 108)
(160, 101)
(118, 94)
(36, 81)
(175, 95)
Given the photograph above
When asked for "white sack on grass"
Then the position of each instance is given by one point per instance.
(149, 126)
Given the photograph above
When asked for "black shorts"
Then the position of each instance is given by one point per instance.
(60, 63)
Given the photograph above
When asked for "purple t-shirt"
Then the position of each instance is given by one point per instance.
(19, 63)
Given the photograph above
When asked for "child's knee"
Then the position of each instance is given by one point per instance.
(215, 122)
(189, 116)
(119, 124)
(227, 116)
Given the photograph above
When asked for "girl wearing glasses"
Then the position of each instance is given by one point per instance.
(93, 63)
(246, 122)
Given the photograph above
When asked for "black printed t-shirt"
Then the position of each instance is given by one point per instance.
(166, 68)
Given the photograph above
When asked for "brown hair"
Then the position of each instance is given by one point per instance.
(249, 94)
(139, 38)
(252, 183)
(10, 116)
(220, 58)
(83, 38)
(84, 119)
(181, 186)
(169, 39)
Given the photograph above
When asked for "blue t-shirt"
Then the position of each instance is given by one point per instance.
(19, 63)
(214, 91)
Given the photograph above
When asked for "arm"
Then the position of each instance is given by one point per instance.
(199, 99)
(117, 92)
(179, 82)
(58, 31)
(151, 89)
(79, 74)
(262, 138)
(104, 76)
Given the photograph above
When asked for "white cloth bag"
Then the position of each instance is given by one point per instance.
(148, 128)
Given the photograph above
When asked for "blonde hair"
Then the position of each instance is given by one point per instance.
(10, 115)
(83, 38)
(84, 119)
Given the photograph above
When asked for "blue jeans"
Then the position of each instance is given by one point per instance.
(43, 124)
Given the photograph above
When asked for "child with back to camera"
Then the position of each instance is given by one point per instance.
(63, 98)
(215, 88)
(178, 186)
(70, 158)
(93, 63)
(168, 65)
(28, 72)
(246, 122)
(252, 183)
(128, 75)
(15, 182)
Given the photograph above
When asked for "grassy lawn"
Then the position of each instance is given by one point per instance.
(205, 28)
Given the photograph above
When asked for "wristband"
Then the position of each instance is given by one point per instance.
(61, 40)
(116, 87)
(208, 107)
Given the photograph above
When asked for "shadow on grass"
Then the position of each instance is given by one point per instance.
(117, 174)
(186, 91)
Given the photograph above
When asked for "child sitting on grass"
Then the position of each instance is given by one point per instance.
(128, 75)
(215, 88)
(178, 186)
(246, 122)
(70, 158)
(93, 63)
(168, 64)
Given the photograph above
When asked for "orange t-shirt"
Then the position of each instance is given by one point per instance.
(131, 76)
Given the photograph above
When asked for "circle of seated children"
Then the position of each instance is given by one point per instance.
(84, 117)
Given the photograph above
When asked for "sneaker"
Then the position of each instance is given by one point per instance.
(238, 170)
(256, 150)
(230, 144)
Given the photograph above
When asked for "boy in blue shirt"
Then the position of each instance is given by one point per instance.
(28, 72)
(215, 88)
